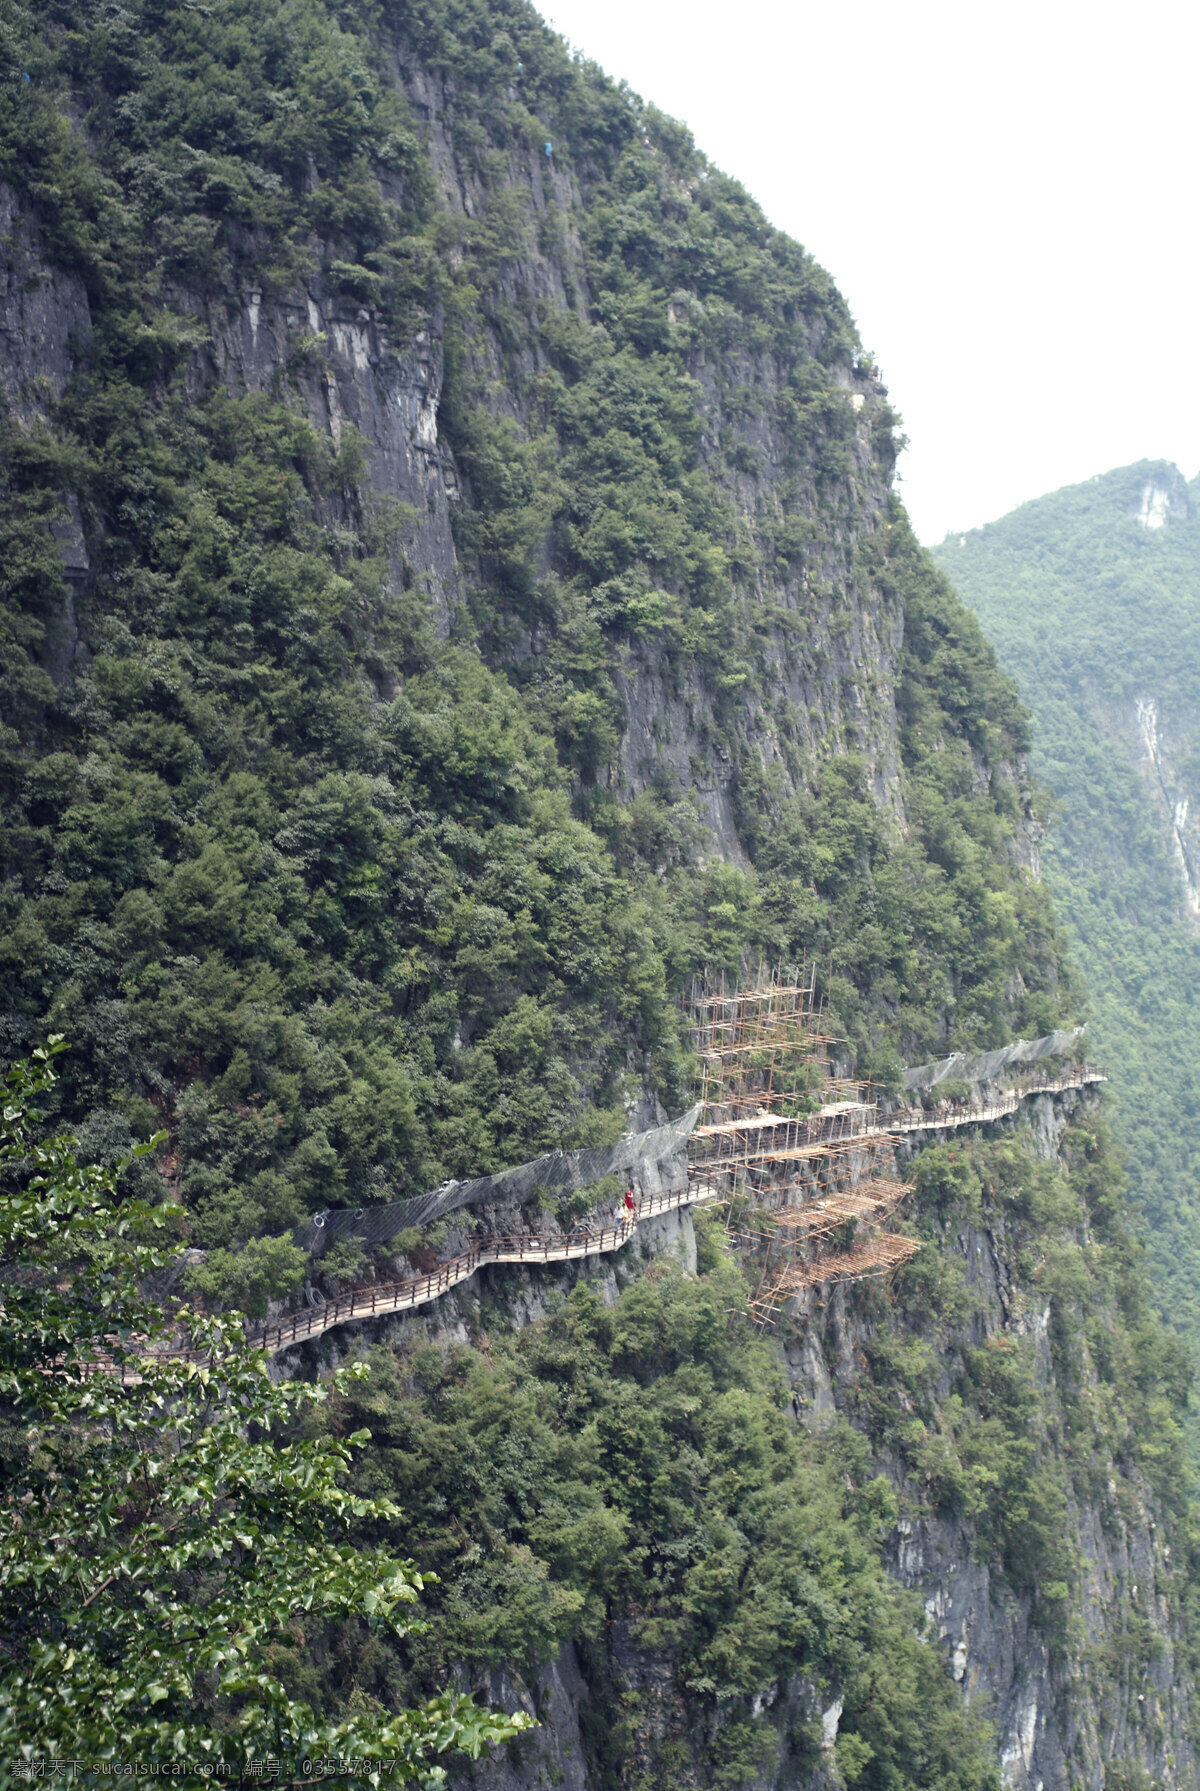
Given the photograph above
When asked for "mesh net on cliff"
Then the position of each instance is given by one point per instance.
(985, 1066)
(641, 1155)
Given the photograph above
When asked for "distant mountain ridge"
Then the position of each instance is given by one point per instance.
(1092, 598)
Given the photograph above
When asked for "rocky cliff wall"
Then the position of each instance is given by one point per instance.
(823, 629)
(454, 598)
(1088, 1681)
(1099, 1690)
(576, 412)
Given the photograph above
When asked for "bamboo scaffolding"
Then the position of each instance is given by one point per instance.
(775, 1137)
(874, 1257)
(765, 1050)
(869, 1203)
(873, 1202)
(827, 1152)
(759, 1043)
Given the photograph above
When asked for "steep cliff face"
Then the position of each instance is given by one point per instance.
(459, 527)
(823, 627)
(827, 634)
(1016, 1396)
(1089, 1675)
(454, 597)
(821, 623)
(806, 633)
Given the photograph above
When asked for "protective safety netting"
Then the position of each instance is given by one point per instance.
(645, 1157)
(986, 1066)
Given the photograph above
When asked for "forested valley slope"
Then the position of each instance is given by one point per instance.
(1092, 595)
(453, 597)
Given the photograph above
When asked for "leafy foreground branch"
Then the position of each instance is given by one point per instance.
(160, 1539)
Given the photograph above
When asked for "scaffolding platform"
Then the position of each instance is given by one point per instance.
(765, 1139)
(763, 1044)
(874, 1257)
(777, 1119)
(870, 1203)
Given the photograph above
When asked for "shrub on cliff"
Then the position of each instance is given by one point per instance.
(160, 1538)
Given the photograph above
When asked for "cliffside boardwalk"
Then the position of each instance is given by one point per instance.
(528, 1247)
(980, 1109)
(818, 1221)
(803, 1240)
(815, 1192)
(522, 1247)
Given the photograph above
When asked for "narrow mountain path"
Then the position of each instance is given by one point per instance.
(980, 1110)
(404, 1296)
(522, 1247)
(584, 1241)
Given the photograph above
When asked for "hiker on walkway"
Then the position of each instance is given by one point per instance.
(630, 1212)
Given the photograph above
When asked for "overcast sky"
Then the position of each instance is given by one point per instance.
(1005, 195)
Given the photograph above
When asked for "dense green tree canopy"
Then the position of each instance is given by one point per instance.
(162, 1537)
(640, 1459)
(353, 862)
(345, 907)
(1094, 613)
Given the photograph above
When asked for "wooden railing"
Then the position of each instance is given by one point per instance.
(528, 1247)
(979, 1109)
(402, 1296)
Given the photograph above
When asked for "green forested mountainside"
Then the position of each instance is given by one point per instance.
(1093, 613)
(350, 901)
(364, 828)
(638, 1459)
(641, 1459)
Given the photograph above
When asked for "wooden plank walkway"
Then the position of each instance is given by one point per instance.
(404, 1296)
(978, 1112)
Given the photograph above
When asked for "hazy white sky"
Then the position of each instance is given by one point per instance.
(1005, 195)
